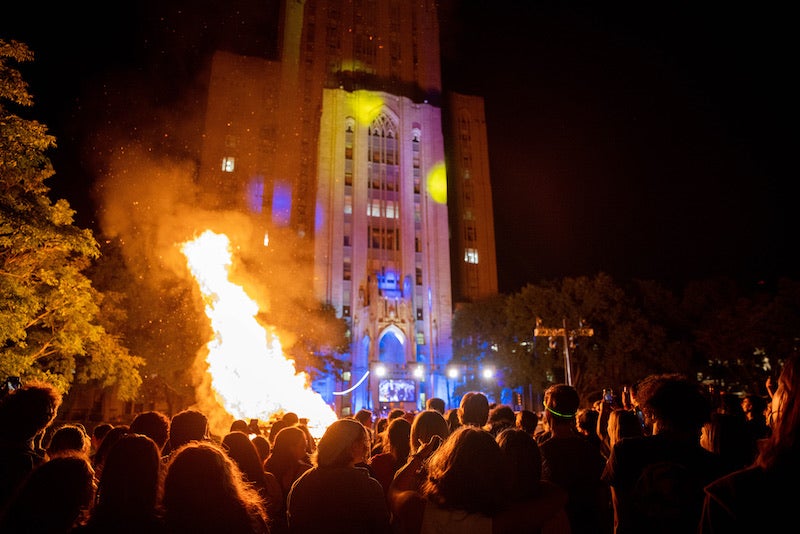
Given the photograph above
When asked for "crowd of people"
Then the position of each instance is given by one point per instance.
(660, 458)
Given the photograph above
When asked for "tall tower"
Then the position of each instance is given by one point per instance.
(341, 140)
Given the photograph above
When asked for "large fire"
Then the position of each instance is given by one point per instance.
(250, 375)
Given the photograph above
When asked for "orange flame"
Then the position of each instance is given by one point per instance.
(250, 375)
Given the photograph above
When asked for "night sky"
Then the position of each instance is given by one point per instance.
(641, 139)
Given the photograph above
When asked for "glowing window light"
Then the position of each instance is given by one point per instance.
(471, 255)
(419, 371)
(228, 164)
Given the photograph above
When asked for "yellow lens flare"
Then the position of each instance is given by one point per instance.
(437, 183)
(250, 375)
(366, 107)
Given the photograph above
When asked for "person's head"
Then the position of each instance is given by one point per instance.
(467, 472)
(188, 425)
(52, 497)
(108, 442)
(524, 462)
(474, 409)
(28, 410)
(427, 423)
(242, 450)
(239, 425)
(501, 417)
(68, 439)
(153, 424)
(527, 420)
(435, 403)
(673, 403)
(586, 421)
(364, 417)
(262, 446)
(381, 424)
(453, 421)
(561, 402)
(275, 429)
(344, 443)
(99, 432)
(290, 444)
(131, 476)
(205, 491)
(623, 424)
(290, 418)
(394, 414)
(754, 406)
(784, 419)
(398, 438)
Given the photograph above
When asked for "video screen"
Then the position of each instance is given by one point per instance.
(397, 390)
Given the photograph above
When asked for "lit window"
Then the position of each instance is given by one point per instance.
(227, 164)
(471, 255)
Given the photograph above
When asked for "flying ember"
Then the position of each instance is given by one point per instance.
(250, 375)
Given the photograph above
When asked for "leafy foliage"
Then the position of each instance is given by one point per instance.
(48, 307)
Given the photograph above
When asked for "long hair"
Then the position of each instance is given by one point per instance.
(52, 497)
(467, 473)
(204, 491)
(426, 424)
(282, 457)
(524, 462)
(243, 451)
(398, 439)
(780, 448)
(130, 482)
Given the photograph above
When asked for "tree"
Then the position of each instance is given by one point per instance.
(49, 309)
(481, 337)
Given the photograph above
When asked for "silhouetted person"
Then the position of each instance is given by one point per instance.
(52, 498)
(574, 464)
(396, 448)
(68, 439)
(240, 425)
(25, 415)
(426, 424)
(474, 409)
(262, 446)
(623, 424)
(109, 441)
(527, 420)
(657, 480)
(335, 496)
(241, 449)
(501, 417)
(98, 433)
(128, 493)
(288, 458)
(755, 407)
(726, 435)
(204, 491)
(466, 490)
(184, 427)
(524, 472)
(764, 496)
(364, 417)
(451, 416)
(436, 403)
(153, 424)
